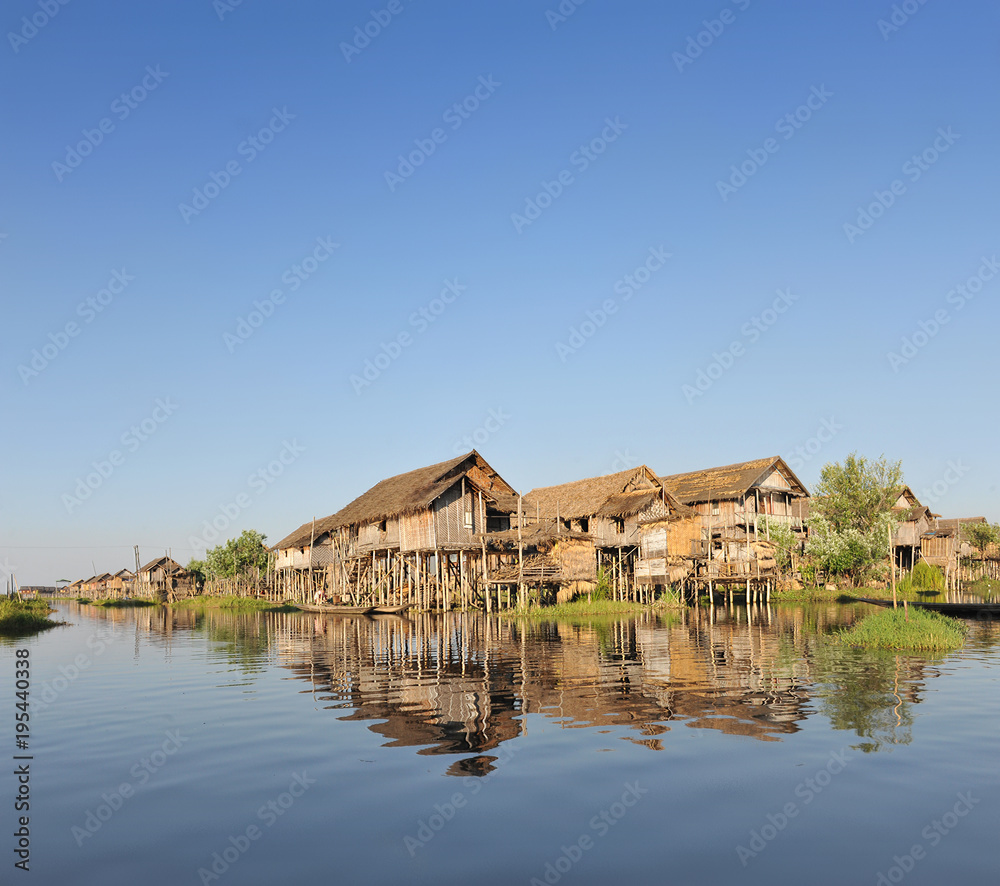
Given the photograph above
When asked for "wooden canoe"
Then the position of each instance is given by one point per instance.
(959, 610)
(338, 609)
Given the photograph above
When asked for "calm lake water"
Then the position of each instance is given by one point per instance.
(178, 748)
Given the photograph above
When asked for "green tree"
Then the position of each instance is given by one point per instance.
(981, 535)
(784, 539)
(243, 557)
(199, 569)
(851, 517)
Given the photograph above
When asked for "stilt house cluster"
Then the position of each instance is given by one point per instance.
(457, 534)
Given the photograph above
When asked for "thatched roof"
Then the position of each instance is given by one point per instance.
(912, 514)
(730, 481)
(406, 494)
(543, 534)
(613, 495)
(167, 564)
(949, 526)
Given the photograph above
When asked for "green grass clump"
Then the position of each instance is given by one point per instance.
(922, 577)
(581, 607)
(23, 617)
(84, 600)
(811, 594)
(913, 630)
(233, 604)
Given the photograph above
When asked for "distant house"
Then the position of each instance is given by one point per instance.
(944, 546)
(164, 576)
(415, 532)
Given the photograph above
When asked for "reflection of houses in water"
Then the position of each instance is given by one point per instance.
(460, 684)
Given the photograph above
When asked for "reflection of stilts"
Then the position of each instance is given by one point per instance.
(895, 692)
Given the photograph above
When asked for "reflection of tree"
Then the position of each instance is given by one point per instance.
(243, 637)
(868, 692)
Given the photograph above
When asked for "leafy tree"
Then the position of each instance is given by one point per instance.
(242, 557)
(198, 568)
(784, 539)
(851, 516)
(981, 535)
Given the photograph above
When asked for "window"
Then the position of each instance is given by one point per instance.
(584, 524)
(620, 525)
(715, 509)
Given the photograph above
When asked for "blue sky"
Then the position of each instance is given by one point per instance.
(682, 235)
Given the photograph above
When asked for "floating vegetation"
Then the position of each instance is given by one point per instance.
(912, 630)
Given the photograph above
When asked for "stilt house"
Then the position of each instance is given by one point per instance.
(730, 499)
(418, 533)
(610, 510)
(914, 521)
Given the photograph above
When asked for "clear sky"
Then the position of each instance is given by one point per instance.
(257, 256)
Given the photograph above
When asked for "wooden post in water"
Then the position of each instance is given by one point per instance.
(892, 566)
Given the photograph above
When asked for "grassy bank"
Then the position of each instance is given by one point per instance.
(23, 617)
(584, 608)
(232, 604)
(845, 595)
(915, 630)
(130, 603)
(810, 594)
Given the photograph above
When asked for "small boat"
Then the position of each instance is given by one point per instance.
(340, 609)
(959, 610)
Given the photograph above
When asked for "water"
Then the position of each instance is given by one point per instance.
(285, 747)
